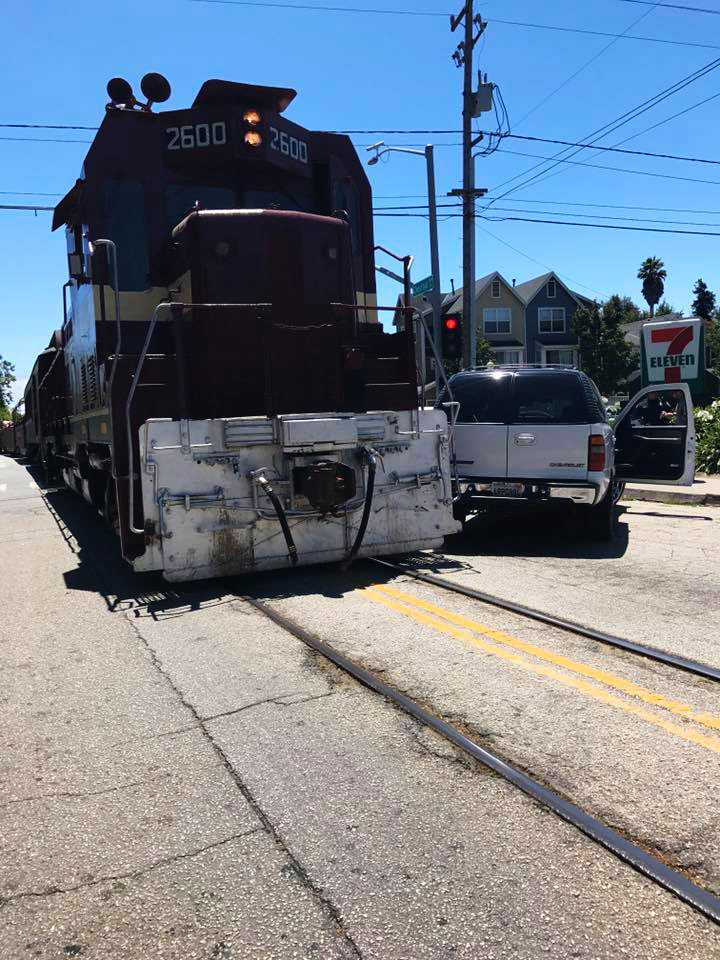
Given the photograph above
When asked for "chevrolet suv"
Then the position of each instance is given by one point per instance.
(541, 436)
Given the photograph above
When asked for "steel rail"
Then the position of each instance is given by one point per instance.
(645, 863)
(609, 639)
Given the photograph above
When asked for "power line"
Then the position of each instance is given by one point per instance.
(41, 140)
(602, 33)
(613, 149)
(27, 193)
(567, 143)
(11, 206)
(565, 213)
(325, 9)
(576, 73)
(674, 116)
(613, 125)
(604, 166)
(568, 223)
(321, 8)
(673, 6)
(527, 256)
(45, 126)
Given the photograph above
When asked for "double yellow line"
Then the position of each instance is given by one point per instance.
(554, 666)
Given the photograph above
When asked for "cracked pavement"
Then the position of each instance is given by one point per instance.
(182, 779)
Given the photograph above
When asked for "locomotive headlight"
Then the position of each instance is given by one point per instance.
(252, 117)
(253, 138)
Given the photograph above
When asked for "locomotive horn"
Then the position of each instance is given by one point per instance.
(120, 91)
(155, 87)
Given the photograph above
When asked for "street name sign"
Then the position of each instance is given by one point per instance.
(423, 286)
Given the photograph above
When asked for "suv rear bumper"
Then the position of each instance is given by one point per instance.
(535, 491)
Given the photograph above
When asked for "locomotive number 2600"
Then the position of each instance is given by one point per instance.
(290, 146)
(190, 136)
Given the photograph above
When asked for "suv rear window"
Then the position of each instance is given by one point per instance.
(549, 398)
(482, 399)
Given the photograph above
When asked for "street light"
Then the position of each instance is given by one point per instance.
(435, 296)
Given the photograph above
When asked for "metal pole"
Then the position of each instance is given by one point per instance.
(469, 331)
(436, 292)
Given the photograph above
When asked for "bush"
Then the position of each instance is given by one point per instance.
(707, 426)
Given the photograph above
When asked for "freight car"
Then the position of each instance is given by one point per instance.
(221, 389)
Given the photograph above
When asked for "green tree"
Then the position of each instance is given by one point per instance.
(704, 303)
(652, 272)
(620, 310)
(712, 343)
(605, 355)
(483, 353)
(7, 378)
(664, 309)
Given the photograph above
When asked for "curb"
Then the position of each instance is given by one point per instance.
(664, 496)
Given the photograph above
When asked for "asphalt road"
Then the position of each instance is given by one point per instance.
(181, 778)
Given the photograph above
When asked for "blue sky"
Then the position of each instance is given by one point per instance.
(369, 71)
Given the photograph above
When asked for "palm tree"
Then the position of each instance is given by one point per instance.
(652, 272)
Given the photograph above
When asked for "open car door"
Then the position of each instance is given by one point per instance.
(655, 437)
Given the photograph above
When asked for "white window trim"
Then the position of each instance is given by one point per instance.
(544, 348)
(493, 295)
(518, 350)
(553, 295)
(551, 330)
(497, 333)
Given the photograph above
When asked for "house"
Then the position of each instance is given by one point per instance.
(549, 309)
(500, 313)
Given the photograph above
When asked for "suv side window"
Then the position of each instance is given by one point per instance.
(482, 399)
(549, 398)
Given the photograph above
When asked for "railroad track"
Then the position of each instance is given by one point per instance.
(624, 849)
(651, 653)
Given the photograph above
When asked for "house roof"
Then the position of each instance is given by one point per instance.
(482, 284)
(530, 288)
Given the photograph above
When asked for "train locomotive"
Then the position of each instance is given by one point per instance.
(221, 389)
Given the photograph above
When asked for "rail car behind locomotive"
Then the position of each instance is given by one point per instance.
(221, 389)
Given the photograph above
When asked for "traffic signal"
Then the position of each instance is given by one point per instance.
(452, 337)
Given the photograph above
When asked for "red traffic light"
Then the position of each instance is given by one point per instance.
(451, 323)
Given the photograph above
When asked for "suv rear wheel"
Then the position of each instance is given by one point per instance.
(599, 521)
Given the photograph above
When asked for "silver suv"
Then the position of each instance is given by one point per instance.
(538, 435)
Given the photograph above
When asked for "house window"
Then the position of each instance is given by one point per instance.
(563, 356)
(496, 320)
(551, 289)
(495, 289)
(551, 319)
(507, 356)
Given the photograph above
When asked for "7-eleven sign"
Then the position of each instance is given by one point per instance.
(672, 351)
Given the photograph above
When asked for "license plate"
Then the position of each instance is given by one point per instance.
(507, 489)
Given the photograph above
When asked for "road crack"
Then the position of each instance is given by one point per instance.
(127, 875)
(80, 795)
(331, 911)
(277, 700)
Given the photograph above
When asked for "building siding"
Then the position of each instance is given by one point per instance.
(517, 318)
(534, 339)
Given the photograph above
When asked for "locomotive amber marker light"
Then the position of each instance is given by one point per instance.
(252, 117)
(253, 138)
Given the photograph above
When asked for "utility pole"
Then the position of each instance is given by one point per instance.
(435, 296)
(463, 56)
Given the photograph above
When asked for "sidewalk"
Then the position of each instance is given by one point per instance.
(705, 490)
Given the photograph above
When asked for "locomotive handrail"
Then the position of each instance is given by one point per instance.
(116, 291)
(166, 305)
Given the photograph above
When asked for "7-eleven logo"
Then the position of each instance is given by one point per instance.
(672, 352)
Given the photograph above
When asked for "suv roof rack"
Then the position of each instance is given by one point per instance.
(525, 366)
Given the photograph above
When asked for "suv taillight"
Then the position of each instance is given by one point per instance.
(596, 453)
